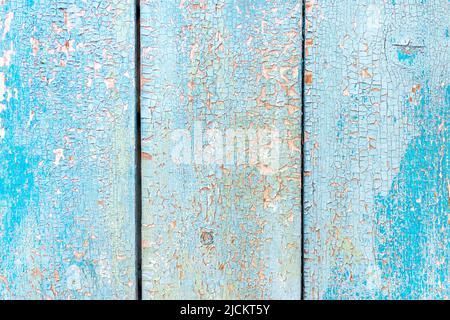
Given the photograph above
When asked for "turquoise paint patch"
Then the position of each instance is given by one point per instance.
(16, 189)
(405, 57)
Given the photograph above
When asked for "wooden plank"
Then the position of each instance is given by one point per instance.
(377, 152)
(221, 221)
(67, 149)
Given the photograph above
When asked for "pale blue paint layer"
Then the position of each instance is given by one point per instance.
(67, 150)
(377, 155)
(216, 230)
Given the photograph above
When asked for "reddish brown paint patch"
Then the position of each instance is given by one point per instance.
(308, 77)
(146, 156)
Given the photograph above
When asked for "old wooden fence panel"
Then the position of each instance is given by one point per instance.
(221, 95)
(377, 152)
(221, 217)
(67, 149)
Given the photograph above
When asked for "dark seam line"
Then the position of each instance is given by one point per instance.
(303, 151)
(138, 155)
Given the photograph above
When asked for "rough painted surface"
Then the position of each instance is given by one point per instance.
(377, 152)
(67, 149)
(221, 223)
(221, 155)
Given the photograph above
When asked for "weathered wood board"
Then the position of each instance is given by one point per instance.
(221, 149)
(67, 114)
(221, 208)
(377, 107)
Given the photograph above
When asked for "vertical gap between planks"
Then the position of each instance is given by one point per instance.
(302, 271)
(138, 156)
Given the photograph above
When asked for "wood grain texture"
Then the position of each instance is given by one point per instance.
(377, 152)
(67, 149)
(221, 224)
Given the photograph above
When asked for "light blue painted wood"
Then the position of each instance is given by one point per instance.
(221, 221)
(67, 149)
(377, 152)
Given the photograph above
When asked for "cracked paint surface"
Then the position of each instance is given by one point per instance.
(377, 150)
(67, 149)
(225, 224)
(214, 230)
